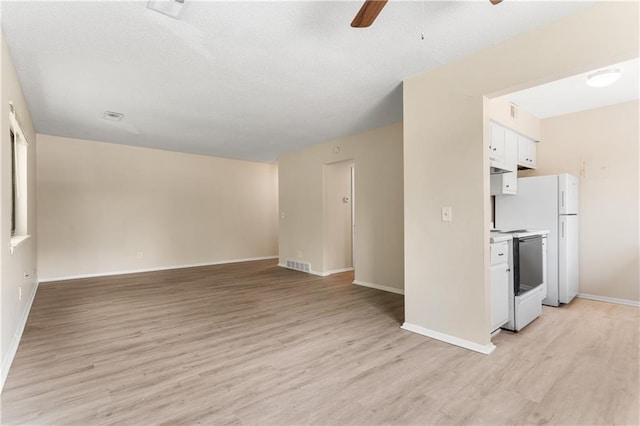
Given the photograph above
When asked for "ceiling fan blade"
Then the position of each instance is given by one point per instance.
(494, 2)
(368, 13)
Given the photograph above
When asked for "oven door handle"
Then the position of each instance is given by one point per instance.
(532, 237)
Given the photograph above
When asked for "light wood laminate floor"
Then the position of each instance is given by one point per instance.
(252, 343)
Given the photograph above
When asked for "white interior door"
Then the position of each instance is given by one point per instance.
(338, 217)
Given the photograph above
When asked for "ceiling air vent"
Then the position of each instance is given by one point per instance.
(172, 8)
(112, 116)
(514, 111)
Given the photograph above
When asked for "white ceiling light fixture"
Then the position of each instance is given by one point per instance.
(172, 8)
(603, 78)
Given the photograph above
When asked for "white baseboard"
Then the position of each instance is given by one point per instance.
(379, 287)
(161, 268)
(338, 271)
(483, 349)
(15, 342)
(609, 299)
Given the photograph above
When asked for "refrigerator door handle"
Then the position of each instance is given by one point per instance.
(562, 198)
(562, 228)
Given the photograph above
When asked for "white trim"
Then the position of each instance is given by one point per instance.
(15, 342)
(467, 344)
(627, 302)
(320, 274)
(379, 287)
(338, 271)
(161, 268)
(15, 126)
(16, 240)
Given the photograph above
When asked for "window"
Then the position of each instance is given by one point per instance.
(18, 181)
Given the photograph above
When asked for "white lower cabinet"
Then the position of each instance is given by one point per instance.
(499, 286)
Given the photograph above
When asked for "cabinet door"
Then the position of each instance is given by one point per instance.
(496, 146)
(504, 183)
(532, 154)
(510, 183)
(510, 150)
(499, 295)
(526, 152)
(523, 151)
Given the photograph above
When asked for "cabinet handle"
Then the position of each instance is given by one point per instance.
(500, 254)
(508, 270)
(507, 186)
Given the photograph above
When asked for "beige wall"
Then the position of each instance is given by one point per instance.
(99, 204)
(377, 157)
(601, 147)
(445, 141)
(14, 267)
(524, 123)
(337, 216)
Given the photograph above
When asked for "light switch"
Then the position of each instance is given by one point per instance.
(446, 214)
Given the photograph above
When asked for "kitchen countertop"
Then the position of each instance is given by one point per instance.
(497, 237)
(523, 233)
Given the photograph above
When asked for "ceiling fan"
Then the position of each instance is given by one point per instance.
(370, 10)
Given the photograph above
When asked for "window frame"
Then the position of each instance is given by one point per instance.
(19, 171)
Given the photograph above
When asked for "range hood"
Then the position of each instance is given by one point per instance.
(498, 171)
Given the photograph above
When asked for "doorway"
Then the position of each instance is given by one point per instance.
(339, 216)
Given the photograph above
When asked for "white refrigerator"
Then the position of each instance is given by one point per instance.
(548, 202)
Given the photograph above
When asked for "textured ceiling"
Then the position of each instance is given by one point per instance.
(247, 80)
(572, 94)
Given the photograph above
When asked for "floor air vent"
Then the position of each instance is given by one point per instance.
(298, 266)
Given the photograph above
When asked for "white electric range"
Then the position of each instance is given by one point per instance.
(528, 275)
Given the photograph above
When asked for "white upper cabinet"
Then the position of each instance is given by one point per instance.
(496, 146)
(503, 149)
(504, 183)
(526, 153)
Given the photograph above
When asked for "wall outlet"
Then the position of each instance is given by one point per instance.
(446, 214)
(139, 255)
(281, 215)
(299, 254)
(19, 292)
